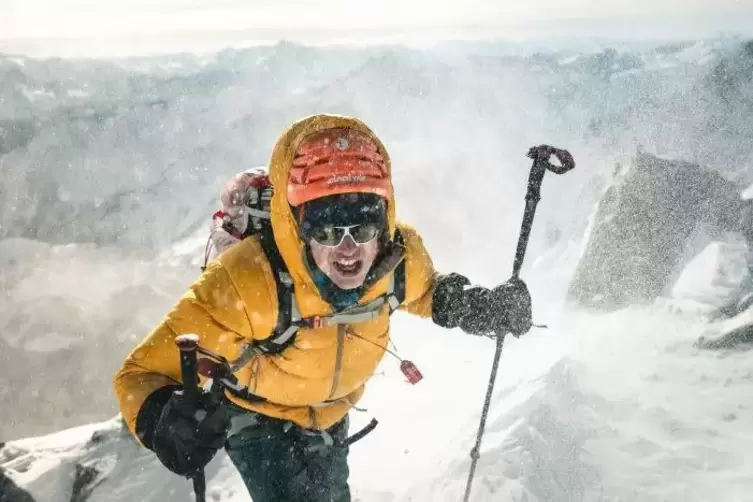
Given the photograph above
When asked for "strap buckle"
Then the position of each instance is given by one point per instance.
(313, 322)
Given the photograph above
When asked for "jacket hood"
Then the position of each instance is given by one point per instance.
(284, 224)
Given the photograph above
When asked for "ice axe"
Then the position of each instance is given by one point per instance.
(188, 345)
(540, 155)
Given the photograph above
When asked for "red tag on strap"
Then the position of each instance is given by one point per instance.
(411, 372)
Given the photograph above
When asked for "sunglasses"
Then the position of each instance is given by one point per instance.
(331, 236)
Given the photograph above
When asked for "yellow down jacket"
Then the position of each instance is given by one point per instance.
(314, 382)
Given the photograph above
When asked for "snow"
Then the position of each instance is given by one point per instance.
(596, 407)
(34, 94)
(748, 193)
(78, 93)
(715, 277)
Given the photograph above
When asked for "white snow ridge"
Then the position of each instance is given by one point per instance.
(533, 451)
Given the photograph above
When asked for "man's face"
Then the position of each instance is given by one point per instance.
(347, 263)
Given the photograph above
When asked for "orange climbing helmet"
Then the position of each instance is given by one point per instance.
(337, 161)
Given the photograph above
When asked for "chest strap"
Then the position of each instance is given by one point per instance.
(352, 315)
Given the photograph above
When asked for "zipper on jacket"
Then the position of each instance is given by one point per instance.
(341, 329)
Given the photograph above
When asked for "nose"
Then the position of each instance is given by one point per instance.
(348, 245)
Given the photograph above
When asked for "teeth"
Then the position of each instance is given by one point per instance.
(347, 263)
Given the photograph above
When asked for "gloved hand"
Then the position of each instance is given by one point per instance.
(512, 304)
(480, 311)
(188, 435)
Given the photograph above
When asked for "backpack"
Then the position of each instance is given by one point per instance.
(255, 221)
(255, 191)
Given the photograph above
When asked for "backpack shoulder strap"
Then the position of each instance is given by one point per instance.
(396, 291)
(287, 312)
(288, 316)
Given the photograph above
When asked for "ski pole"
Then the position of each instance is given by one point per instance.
(188, 345)
(540, 155)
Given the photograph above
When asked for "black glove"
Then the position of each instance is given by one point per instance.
(188, 435)
(480, 311)
(512, 304)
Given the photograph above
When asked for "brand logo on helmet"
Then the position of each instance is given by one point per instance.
(342, 144)
(346, 179)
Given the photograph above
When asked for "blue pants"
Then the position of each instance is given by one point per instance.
(279, 463)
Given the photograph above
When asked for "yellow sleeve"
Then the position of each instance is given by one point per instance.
(420, 276)
(211, 309)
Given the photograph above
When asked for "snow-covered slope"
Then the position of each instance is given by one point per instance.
(615, 407)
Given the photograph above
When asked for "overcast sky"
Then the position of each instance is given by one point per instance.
(103, 20)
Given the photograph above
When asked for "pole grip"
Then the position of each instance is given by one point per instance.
(190, 376)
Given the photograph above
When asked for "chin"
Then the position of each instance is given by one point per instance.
(349, 282)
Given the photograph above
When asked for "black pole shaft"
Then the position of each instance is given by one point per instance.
(187, 345)
(533, 195)
(200, 486)
(476, 451)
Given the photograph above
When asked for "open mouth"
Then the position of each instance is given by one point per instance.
(348, 266)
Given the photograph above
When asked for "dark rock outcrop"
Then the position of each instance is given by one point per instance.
(643, 227)
(734, 333)
(9, 492)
